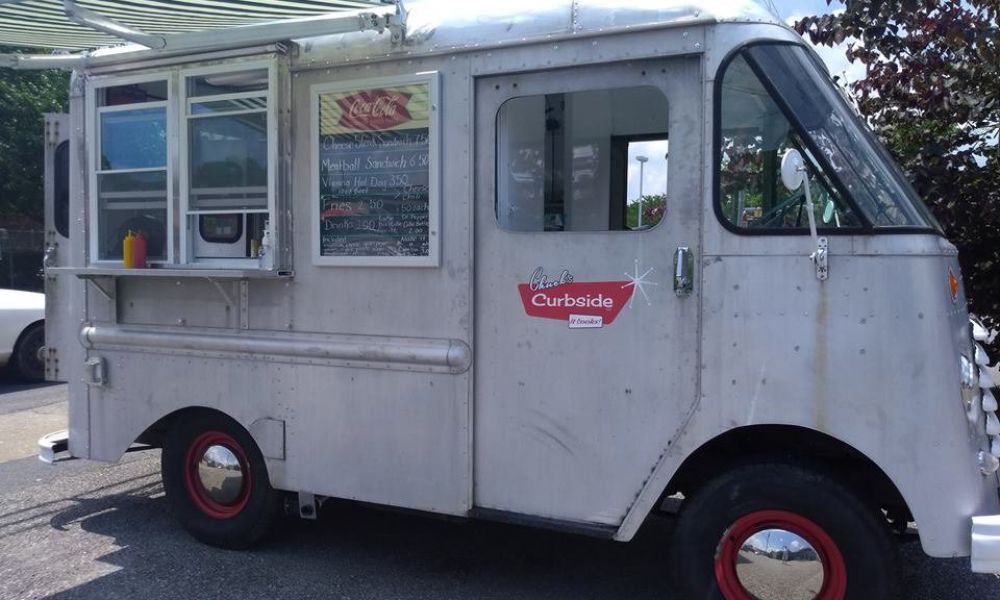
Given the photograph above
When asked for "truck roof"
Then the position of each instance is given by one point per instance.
(437, 26)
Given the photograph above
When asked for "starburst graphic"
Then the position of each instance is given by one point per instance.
(639, 282)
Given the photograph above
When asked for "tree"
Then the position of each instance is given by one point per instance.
(932, 94)
(24, 96)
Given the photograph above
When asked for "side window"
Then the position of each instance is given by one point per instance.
(60, 185)
(227, 181)
(132, 167)
(582, 161)
(754, 135)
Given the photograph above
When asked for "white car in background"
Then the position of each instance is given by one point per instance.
(22, 333)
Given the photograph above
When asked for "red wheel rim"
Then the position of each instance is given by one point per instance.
(192, 480)
(834, 568)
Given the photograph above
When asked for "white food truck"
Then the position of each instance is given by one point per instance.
(465, 307)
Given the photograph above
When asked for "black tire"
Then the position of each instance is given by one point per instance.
(25, 362)
(708, 519)
(239, 524)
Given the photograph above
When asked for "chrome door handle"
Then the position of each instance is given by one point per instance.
(683, 271)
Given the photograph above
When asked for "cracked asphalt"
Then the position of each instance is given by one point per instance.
(87, 530)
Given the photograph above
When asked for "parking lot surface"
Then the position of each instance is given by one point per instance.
(103, 532)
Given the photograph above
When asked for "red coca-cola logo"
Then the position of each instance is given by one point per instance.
(564, 299)
(373, 110)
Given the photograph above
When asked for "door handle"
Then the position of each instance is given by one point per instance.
(48, 259)
(683, 271)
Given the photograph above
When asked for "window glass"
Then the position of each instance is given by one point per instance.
(60, 192)
(132, 168)
(135, 93)
(134, 139)
(135, 202)
(237, 82)
(858, 162)
(568, 161)
(227, 180)
(228, 167)
(755, 134)
(234, 104)
(647, 182)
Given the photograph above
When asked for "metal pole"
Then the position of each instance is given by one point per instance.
(666, 172)
(642, 163)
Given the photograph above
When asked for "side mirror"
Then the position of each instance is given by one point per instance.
(829, 212)
(793, 171)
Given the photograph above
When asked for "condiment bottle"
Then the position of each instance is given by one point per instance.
(264, 253)
(139, 246)
(128, 258)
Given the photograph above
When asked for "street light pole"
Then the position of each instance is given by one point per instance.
(666, 169)
(642, 163)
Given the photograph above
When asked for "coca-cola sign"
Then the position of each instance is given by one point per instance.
(373, 110)
(582, 304)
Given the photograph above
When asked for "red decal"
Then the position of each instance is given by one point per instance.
(603, 299)
(373, 110)
(335, 212)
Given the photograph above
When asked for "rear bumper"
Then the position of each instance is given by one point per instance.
(986, 544)
(51, 444)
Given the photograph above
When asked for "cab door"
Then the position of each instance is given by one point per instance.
(57, 232)
(586, 357)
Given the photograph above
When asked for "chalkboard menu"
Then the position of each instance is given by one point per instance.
(375, 150)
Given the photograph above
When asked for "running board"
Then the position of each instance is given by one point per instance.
(596, 530)
(51, 444)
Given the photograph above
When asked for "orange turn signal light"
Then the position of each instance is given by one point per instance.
(953, 285)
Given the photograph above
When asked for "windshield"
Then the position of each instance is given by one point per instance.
(754, 135)
(841, 153)
(850, 157)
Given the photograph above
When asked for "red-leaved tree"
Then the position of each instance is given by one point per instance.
(932, 94)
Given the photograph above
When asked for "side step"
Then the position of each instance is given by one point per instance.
(51, 444)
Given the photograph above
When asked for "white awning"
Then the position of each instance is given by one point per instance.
(44, 24)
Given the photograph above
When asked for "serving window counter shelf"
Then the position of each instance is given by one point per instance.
(106, 279)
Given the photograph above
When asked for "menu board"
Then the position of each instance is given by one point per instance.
(374, 174)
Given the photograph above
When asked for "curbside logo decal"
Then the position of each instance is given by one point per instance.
(583, 305)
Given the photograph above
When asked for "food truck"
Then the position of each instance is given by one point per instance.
(396, 255)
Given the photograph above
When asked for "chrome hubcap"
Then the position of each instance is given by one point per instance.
(776, 564)
(220, 474)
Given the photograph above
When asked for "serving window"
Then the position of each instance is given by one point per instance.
(131, 175)
(195, 144)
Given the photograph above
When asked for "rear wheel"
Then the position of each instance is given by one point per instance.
(216, 481)
(777, 531)
(27, 360)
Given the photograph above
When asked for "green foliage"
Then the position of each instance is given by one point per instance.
(932, 94)
(654, 206)
(24, 96)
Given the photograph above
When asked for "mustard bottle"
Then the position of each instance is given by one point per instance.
(128, 260)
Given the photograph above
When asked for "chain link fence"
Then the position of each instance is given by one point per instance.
(21, 259)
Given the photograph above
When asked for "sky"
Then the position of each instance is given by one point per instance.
(655, 170)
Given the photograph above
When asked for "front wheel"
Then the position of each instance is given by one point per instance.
(777, 531)
(216, 481)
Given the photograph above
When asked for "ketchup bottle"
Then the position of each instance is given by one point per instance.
(139, 246)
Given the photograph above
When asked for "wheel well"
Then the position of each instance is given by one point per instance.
(755, 442)
(155, 434)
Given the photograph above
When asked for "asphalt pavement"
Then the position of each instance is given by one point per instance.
(87, 530)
